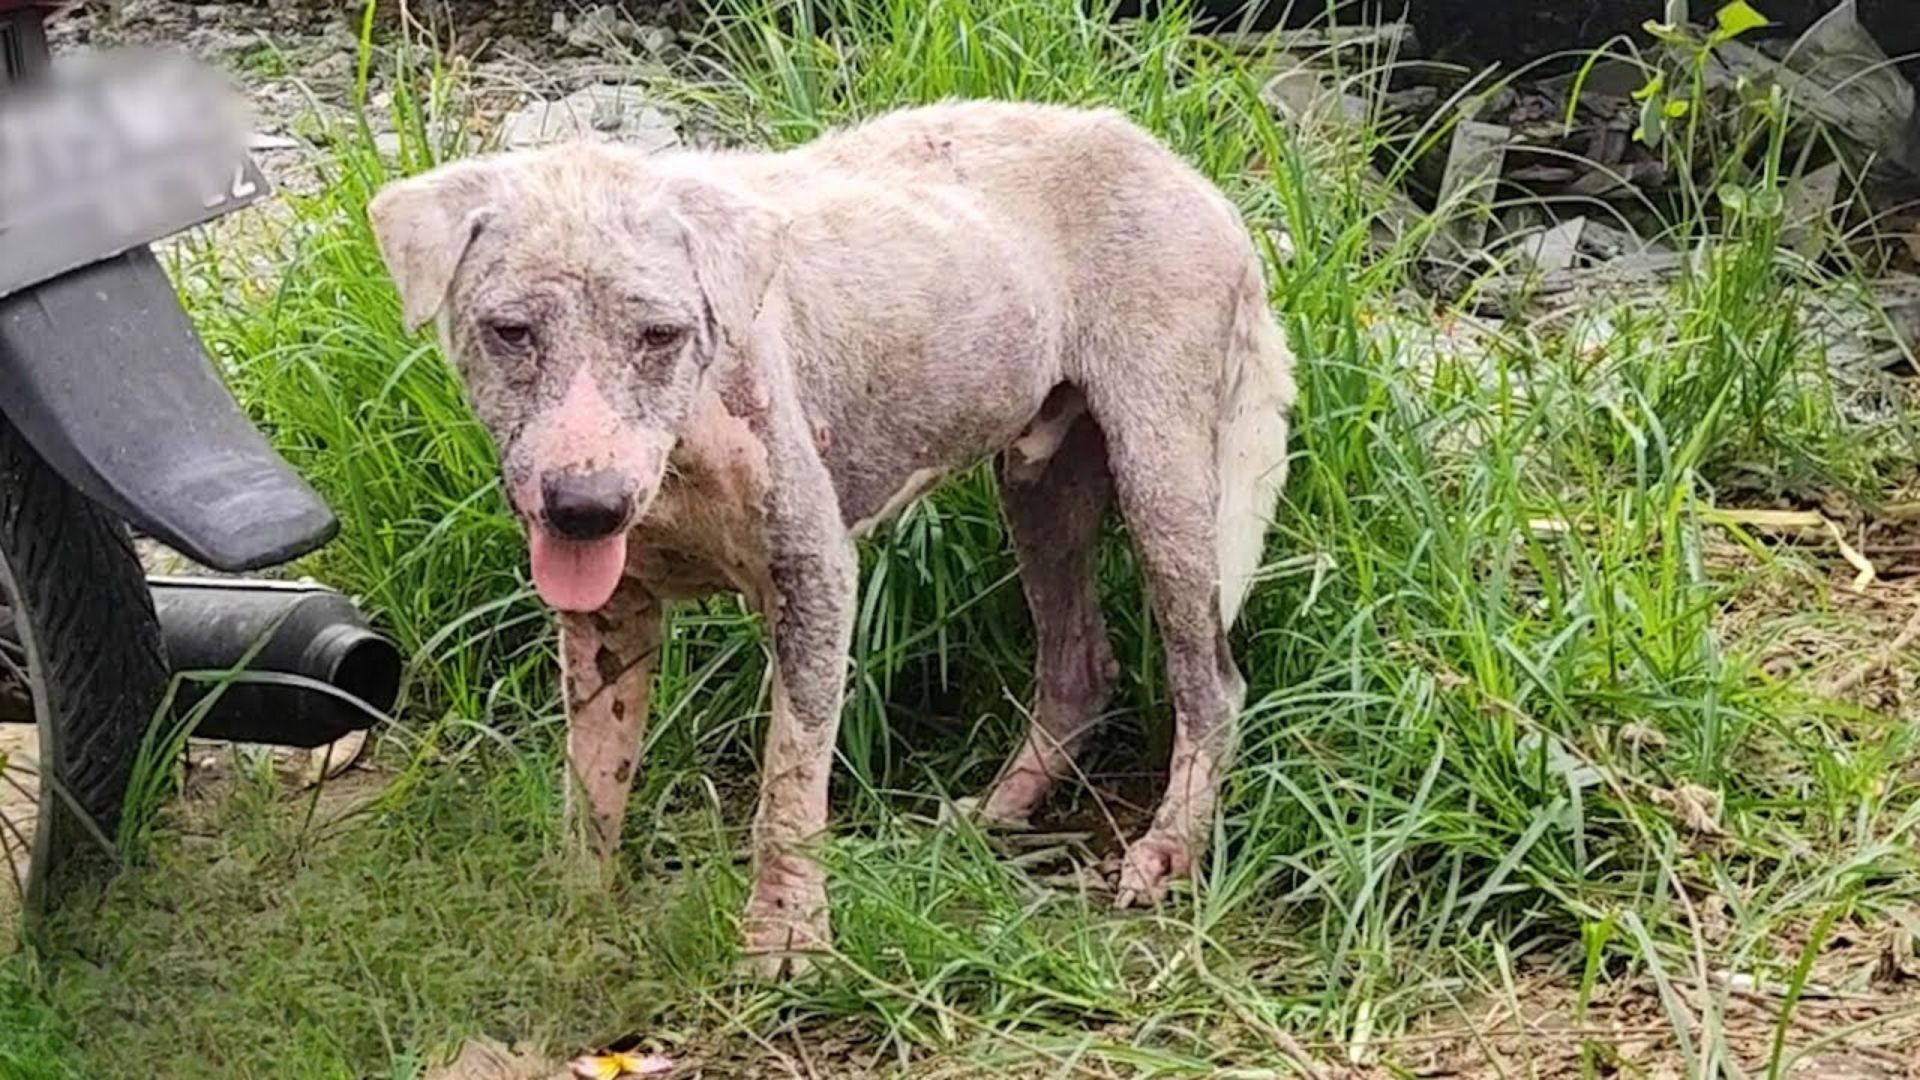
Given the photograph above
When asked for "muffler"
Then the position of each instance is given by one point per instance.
(214, 624)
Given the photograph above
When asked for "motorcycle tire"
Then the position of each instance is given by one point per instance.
(84, 623)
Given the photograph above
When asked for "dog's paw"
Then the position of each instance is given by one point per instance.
(1151, 863)
(587, 865)
(980, 810)
(786, 925)
(776, 949)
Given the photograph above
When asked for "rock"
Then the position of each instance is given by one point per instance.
(656, 39)
(1609, 78)
(1604, 242)
(1838, 73)
(340, 36)
(601, 27)
(1627, 179)
(1474, 163)
(1390, 38)
(1555, 248)
(1302, 94)
(602, 111)
(333, 67)
(1809, 210)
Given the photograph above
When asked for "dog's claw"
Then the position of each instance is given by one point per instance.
(1151, 863)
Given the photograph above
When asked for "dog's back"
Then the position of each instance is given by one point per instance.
(1077, 175)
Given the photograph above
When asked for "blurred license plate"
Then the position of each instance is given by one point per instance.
(113, 153)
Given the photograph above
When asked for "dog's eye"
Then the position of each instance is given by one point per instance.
(511, 334)
(662, 335)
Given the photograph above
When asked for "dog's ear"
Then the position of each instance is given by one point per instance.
(734, 240)
(424, 226)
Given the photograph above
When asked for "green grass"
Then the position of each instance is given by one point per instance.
(1433, 781)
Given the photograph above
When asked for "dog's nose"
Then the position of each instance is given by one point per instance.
(585, 505)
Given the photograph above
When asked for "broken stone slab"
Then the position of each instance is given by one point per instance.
(1303, 95)
(1609, 77)
(1644, 274)
(598, 27)
(1624, 179)
(1474, 163)
(1628, 271)
(1604, 243)
(1399, 217)
(1898, 300)
(1552, 249)
(1389, 36)
(1840, 75)
(1809, 210)
(1547, 263)
(602, 112)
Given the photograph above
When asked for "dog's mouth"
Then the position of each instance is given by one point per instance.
(576, 575)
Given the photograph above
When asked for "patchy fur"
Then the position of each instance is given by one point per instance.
(768, 353)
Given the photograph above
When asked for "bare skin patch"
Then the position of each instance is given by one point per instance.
(1054, 511)
(607, 664)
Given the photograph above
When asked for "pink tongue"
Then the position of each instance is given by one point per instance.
(577, 575)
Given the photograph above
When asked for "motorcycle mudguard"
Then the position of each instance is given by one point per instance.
(102, 373)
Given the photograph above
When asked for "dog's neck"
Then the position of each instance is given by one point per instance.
(706, 520)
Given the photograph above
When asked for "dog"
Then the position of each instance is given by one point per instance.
(717, 370)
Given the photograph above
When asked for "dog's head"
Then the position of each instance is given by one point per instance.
(583, 292)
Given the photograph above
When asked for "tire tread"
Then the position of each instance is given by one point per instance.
(84, 596)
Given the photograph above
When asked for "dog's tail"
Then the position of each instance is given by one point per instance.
(1251, 446)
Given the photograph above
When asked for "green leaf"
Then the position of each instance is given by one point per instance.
(1652, 87)
(1733, 197)
(1737, 18)
(1653, 123)
(1669, 33)
(1676, 108)
(1768, 202)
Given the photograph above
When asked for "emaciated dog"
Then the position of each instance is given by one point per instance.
(716, 370)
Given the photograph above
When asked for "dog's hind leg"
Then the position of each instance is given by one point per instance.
(607, 662)
(1053, 507)
(1161, 449)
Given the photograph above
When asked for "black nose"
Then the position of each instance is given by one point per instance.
(585, 506)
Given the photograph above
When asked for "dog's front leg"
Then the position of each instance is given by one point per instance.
(607, 662)
(813, 575)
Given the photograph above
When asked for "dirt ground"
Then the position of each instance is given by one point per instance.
(19, 807)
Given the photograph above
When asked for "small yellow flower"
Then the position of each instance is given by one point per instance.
(615, 1065)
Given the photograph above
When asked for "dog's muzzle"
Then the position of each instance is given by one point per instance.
(585, 505)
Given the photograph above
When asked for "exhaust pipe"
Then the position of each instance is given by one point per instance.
(211, 624)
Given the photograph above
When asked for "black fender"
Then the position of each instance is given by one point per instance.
(103, 374)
